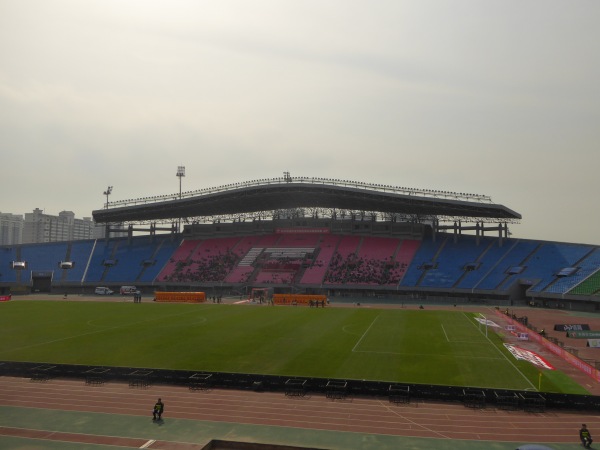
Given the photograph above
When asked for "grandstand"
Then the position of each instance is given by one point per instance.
(313, 235)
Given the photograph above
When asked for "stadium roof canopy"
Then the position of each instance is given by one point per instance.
(288, 192)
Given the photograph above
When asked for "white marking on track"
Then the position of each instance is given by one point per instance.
(412, 422)
(148, 444)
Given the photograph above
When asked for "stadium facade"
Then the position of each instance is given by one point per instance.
(315, 235)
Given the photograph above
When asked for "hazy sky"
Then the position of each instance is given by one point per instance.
(493, 97)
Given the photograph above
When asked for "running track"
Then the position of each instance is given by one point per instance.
(359, 416)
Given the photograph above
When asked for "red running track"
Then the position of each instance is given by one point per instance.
(358, 415)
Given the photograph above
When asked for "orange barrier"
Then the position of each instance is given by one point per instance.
(182, 297)
(299, 299)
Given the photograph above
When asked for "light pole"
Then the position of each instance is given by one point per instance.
(180, 174)
(107, 192)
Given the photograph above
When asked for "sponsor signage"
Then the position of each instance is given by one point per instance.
(302, 230)
(583, 334)
(192, 297)
(528, 355)
(593, 343)
(4, 298)
(571, 327)
(523, 336)
(487, 322)
(559, 351)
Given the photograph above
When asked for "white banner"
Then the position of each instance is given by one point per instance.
(527, 355)
(489, 323)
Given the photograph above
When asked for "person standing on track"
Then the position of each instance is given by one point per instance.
(585, 436)
(159, 408)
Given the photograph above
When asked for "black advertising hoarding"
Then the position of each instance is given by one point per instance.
(572, 327)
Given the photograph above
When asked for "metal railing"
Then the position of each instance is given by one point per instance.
(304, 180)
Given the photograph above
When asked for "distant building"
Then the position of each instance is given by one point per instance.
(11, 228)
(39, 227)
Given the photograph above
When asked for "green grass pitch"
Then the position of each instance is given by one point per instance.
(392, 345)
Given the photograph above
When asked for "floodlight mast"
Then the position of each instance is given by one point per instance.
(107, 192)
(180, 174)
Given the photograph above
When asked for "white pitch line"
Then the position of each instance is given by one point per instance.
(503, 355)
(148, 444)
(444, 330)
(365, 333)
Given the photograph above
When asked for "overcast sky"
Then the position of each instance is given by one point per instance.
(491, 97)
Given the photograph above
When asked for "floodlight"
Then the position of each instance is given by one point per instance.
(107, 192)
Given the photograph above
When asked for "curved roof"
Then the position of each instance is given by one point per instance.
(288, 193)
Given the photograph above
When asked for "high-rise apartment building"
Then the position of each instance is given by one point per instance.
(11, 228)
(39, 227)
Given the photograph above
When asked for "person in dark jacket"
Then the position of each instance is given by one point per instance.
(159, 408)
(585, 436)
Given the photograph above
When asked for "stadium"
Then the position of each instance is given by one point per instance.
(385, 258)
(296, 234)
